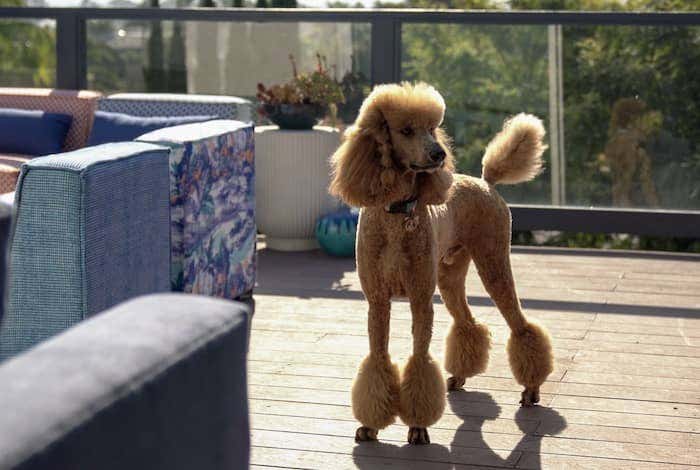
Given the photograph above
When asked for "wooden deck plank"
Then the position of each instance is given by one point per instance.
(625, 392)
(494, 441)
(494, 424)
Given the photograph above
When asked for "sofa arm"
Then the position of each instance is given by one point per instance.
(91, 229)
(212, 206)
(158, 382)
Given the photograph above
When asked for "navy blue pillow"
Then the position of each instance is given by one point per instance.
(118, 127)
(32, 132)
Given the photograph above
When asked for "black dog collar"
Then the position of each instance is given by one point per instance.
(402, 207)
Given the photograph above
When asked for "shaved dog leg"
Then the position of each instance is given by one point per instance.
(529, 346)
(468, 342)
(422, 391)
(375, 392)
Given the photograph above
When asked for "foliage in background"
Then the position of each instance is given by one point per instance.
(154, 74)
(28, 51)
(177, 67)
(485, 73)
(605, 241)
(490, 72)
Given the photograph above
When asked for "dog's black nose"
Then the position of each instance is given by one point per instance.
(437, 153)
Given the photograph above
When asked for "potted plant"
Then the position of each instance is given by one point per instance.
(304, 100)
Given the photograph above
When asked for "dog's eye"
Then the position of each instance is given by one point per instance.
(407, 131)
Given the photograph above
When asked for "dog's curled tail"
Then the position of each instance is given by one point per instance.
(515, 154)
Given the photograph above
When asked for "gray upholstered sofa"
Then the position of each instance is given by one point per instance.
(158, 382)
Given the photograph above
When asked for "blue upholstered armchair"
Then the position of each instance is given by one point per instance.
(91, 230)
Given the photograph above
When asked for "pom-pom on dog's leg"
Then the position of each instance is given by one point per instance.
(529, 346)
(422, 392)
(468, 342)
(530, 356)
(375, 392)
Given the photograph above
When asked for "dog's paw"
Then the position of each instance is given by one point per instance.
(455, 383)
(530, 396)
(418, 436)
(364, 434)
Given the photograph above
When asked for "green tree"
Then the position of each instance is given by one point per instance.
(486, 73)
(177, 67)
(154, 72)
(28, 51)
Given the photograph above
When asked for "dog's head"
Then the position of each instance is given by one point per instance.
(395, 149)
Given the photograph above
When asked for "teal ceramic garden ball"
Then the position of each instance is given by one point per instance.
(335, 232)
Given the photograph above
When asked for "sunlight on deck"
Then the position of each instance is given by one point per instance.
(625, 392)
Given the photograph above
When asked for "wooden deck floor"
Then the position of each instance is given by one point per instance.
(625, 392)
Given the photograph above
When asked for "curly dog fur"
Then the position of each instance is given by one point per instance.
(396, 155)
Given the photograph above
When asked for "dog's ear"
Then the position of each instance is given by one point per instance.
(362, 169)
(434, 188)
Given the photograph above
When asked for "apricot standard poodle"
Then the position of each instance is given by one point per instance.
(421, 225)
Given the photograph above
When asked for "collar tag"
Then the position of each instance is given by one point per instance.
(410, 223)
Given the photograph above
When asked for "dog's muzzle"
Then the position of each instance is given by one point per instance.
(436, 155)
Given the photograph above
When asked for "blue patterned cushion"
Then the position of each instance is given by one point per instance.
(212, 171)
(167, 104)
(91, 230)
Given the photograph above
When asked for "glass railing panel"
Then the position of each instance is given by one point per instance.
(227, 58)
(619, 102)
(632, 116)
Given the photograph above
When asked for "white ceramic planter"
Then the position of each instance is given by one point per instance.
(292, 174)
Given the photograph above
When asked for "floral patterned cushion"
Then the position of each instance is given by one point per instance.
(212, 206)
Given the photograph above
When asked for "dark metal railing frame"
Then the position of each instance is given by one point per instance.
(71, 73)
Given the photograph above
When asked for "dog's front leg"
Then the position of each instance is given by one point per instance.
(422, 391)
(375, 393)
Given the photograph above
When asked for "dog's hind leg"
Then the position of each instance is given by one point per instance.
(375, 392)
(529, 346)
(422, 392)
(468, 342)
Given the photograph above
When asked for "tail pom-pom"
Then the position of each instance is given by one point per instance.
(515, 154)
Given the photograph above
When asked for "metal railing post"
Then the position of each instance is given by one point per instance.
(386, 50)
(71, 51)
(557, 151)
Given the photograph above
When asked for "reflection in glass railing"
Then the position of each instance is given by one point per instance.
(224, 57)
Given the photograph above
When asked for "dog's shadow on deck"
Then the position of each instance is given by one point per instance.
(468, 447)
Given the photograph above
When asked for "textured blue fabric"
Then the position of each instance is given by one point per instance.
(5, 221)
(91, 229)
(31, 132)
(158, 382)
(173, 104)
(117, 127)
